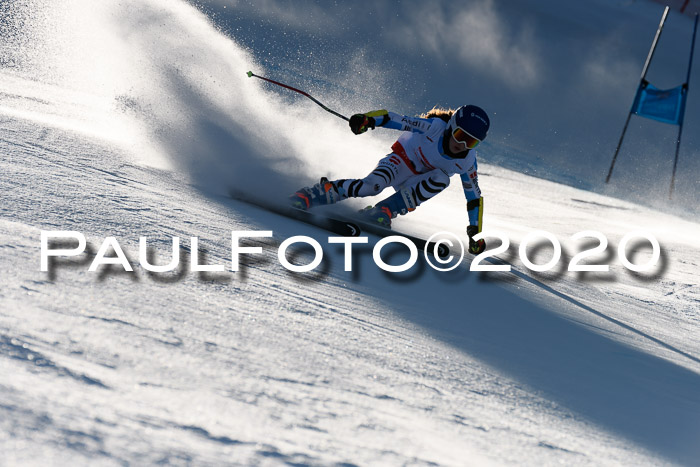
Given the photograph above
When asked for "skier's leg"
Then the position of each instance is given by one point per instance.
(411, 194)
(390, 171)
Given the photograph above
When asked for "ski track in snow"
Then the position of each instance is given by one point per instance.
(269, 367)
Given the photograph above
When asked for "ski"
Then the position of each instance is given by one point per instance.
(340, 227)
(443, 250)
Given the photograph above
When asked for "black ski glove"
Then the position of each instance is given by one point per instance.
(360, 122)
(475, 247)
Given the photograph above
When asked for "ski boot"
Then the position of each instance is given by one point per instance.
(324, 192)
(401, 202)
(380, 215)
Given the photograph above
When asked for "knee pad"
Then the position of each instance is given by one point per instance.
(374, 182)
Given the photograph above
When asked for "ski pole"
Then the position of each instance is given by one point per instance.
(251, 74)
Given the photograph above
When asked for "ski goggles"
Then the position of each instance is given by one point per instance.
(465, 139)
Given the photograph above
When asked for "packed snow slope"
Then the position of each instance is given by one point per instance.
(135, 119)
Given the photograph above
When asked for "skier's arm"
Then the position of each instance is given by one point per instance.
(359, 123)
(402, 122)
(475, 203)
(475, 208)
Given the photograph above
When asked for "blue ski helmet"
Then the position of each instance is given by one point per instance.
(469, 125)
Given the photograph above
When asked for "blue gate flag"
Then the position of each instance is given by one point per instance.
(664, 106)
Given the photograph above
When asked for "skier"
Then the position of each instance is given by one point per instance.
(432, 148)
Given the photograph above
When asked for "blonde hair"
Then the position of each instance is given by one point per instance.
(438, 112)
